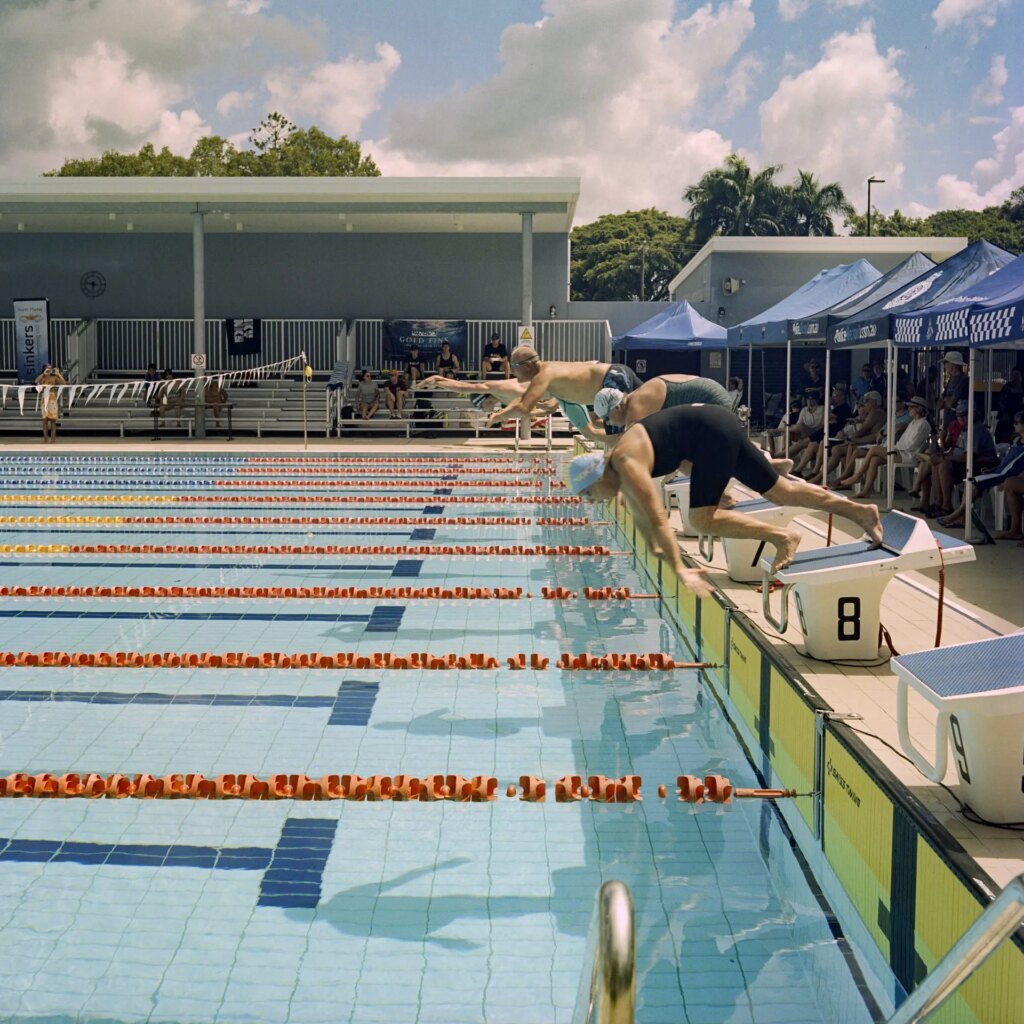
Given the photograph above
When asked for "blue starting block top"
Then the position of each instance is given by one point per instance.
(969, 670)
(907, 543)
(753, 505)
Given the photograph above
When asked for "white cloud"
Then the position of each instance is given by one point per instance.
(992, 178)
(79, 78)
(990, 91)
(340, 95)
(234, 100)
(249, 6)
(841, 118)
(596, 88)
(975, 14)
(738, 85)
(790, 10)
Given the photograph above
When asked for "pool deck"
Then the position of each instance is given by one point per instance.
(983, 599)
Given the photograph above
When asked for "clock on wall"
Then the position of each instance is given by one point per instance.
(93, 284)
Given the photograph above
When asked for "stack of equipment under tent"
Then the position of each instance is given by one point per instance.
(770, 328)
(984, 314)
(875, 326)
(669, 342)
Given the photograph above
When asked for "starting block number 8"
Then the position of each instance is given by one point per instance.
(848, 618)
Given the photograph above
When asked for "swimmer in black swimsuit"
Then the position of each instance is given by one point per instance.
(712, 440)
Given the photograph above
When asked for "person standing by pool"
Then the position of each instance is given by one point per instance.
(48, 382)
(712, 440)
(565, 381)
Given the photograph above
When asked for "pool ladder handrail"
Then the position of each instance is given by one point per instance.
(612, 936)
(1000, 919)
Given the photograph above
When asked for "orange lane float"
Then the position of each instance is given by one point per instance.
(372, 788)
(658, 662)
(292, 521)
(350, 484)
(616, 594)
(283, 499)
(277, 593)
(312, 549)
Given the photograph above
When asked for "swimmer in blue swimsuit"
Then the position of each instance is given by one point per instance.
(569, 382)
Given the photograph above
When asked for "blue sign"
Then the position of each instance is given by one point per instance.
(427, 335)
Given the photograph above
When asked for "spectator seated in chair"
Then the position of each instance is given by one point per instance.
(368, 395)
(910, 441)
(395, 389)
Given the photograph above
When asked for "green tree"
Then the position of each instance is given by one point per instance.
(628, 256)
(279, 148)
(811, 208)
(734, 200)
(990, 224)
(896, 225)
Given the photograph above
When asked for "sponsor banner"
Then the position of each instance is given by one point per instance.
(31, 337)
(244, 336)
(427, 335)
(745, 678)
(858, 334)
(792, 744)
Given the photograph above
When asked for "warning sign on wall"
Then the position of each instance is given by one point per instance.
(526, 335)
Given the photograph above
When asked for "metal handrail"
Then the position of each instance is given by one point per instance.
(612, 983)
(1001, 918)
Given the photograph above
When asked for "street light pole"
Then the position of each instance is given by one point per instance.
(872, 181)
(643, 268)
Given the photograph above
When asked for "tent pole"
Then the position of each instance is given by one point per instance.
(750, 384)
(890, 430)
(826, 401)
(789, 384)
(988, 388)
(968, 525)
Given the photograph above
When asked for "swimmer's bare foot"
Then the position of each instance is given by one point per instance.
(866, 517)
(1008, 535)
(783, 466)
(786, 549)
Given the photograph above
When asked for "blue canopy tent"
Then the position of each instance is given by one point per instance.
(667, 335)
(772, 326)
(880, 322)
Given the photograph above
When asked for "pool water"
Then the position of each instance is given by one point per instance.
(447, 912)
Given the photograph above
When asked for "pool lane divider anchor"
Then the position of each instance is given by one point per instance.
(659, 661)
(575, 550)
(349, 786)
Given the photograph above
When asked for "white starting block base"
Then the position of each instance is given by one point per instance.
(678, 487)
(838, 590)
(978, 689)
(742, 554)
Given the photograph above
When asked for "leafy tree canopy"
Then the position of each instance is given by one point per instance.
(279, 149)
(1001, 225)
(628, 256)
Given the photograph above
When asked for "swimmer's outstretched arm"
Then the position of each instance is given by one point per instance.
(435, 380)
(534, 393)
(640, 490)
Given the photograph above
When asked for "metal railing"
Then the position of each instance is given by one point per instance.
(1003, 916)
(611, 948)
(555, 339)
(60, 328)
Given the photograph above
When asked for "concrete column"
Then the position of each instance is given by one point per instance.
(526, 316)
(198, 311)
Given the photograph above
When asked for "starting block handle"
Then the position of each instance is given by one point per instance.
(781, 624)
(706, 546)
(933, 772)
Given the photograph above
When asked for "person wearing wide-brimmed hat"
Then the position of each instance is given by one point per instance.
(956, 388)
(914, 439)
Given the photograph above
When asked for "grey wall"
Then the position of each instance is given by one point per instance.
(769, 277)
(459, 276)
(622, 316)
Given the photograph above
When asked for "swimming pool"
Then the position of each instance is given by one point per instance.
(234, 910)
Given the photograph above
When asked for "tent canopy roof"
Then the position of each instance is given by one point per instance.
(825, 289)
(678, 326)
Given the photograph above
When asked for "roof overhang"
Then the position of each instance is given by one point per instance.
(938, 249)
(321, 205)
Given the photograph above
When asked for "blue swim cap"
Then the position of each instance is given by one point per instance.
(585, 471)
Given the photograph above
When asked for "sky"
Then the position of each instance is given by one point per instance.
(636, 98)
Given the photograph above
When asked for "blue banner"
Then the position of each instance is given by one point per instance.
(427, 335)
(31, 337)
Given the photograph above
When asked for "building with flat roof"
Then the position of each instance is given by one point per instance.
(734, 278)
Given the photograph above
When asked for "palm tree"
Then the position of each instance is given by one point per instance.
(812, 206)
(733, 200)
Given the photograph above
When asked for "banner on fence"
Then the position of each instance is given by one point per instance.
(31, 337)
(244, 337)
(427, 335)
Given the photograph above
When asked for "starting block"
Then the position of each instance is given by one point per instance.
(743, 555)
(978, 690)
(838, 590)
(678, 487)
